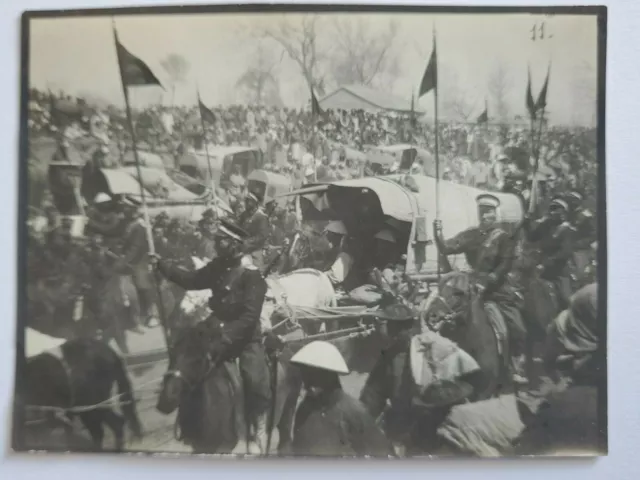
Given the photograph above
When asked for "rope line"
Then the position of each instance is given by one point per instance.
(109, 402)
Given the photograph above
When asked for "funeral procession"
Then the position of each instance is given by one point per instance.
(312, 234)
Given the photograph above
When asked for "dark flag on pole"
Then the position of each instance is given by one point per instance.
(206, 113)
(412, 119)
(430, 77)
(484, 116)
(541, 103)
(531, 106)
(133, 70)
(316, 111)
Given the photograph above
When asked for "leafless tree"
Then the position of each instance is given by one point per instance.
(177, 67)
(363, 55)
(457, 103)
(499, 87)
(259, 81)
(300, 40)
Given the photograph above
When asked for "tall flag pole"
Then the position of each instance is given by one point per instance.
(316, 111)
(430, 82)
(134, 72)
(540, 106)
(207, 116)
(531, 109)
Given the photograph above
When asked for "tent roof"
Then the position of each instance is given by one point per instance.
(377, 98)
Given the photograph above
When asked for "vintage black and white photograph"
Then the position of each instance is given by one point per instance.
(313, 232)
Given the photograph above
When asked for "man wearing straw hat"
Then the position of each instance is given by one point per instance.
(329, 422)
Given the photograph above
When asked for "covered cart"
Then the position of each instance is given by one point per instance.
(269, 185)
(407, 204)
(222, 161)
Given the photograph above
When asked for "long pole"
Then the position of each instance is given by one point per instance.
(145, 210)
(206, 149)
(534, 186)
(437, 134)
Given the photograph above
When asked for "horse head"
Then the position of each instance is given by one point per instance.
(448, 311)
(189, 363)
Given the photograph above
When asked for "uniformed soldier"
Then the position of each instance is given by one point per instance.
(103, 218)
(205, 244)
(237, 295)
(256, 223)
(389, 393)
(552, 235)
(489, 251)
(134, 261)
(583, 224)
(329, 422)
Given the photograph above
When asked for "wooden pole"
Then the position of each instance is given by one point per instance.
(145, 210)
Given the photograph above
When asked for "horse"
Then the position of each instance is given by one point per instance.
(306, 288)
(81, 373)
(208, 393)
(455, 311)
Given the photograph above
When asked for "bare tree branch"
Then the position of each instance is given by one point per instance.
(300, 41)
(499, 87)
(362, 55)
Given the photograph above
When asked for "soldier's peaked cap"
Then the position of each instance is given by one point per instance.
(230, 229)
(573, 195)
(559, 202)
(487, 200)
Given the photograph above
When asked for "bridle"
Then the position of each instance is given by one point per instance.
(176, 373)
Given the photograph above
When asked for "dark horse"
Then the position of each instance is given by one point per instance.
(458, 313)
(208, 395)
(77, 378)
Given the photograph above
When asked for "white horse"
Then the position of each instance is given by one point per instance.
(290, 294)
(304, 288)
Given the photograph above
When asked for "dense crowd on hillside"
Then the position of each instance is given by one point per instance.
(479, 155)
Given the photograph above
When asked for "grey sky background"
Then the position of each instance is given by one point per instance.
(78, 55)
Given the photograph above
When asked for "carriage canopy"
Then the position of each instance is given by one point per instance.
(269, 185)
(221, 162)
(407, 204)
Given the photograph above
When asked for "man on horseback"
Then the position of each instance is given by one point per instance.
(489, 249)
(255, 221)
(237, 294)
(552, 235)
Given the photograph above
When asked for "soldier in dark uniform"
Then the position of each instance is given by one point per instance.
(552, 235)
(103, 217)
(489, 251)
(237, 295)
(583, 224)
(205, 236)
(256, 223)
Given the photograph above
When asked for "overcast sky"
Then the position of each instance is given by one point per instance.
(78, 54)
